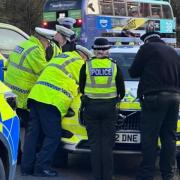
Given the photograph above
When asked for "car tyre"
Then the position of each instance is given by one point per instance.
(2, 171)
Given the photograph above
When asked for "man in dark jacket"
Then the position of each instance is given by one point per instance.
(158, 67)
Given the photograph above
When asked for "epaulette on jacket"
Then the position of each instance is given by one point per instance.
(113, 60)
(91, 58)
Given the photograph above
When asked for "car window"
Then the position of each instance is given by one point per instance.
(178, 51)
(9, 39)
(124, 61)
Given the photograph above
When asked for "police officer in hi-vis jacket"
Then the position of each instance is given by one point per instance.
(49, 101)
(102, 84)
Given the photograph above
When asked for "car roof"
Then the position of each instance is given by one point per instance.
(124, 49)
(14, 28)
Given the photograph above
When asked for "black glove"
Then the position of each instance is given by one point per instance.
(70, 113)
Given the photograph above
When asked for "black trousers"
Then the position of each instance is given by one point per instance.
(100, 119)
(44, 119)
(23, 114)
(159, 118)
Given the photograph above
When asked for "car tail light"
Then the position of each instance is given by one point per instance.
(44, 24)
(78, 23)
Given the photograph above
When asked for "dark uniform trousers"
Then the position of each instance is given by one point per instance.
(159, 118)
(100, 117)
(23, 115)
(44, 119)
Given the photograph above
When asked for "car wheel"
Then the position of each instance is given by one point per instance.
(60, 159)
(2, 171)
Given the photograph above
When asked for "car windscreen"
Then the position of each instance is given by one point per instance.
(9, 39)
(178, 51)
(124, 61)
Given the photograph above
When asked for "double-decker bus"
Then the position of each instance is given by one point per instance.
(108, 18)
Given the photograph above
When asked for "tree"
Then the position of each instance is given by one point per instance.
(25, 14)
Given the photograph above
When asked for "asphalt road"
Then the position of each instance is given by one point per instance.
(125, 168)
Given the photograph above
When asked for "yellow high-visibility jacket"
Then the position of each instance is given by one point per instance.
(58, 84)
(100, 79)
(25, 65)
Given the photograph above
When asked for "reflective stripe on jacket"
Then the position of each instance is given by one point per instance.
(100, 79)
(25, 65)
(58, 83)
(56, 50)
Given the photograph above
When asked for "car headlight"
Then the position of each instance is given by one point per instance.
(11, 99)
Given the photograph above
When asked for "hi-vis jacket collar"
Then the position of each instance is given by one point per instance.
(46, 33)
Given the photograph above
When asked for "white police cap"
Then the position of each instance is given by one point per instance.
(67, 22)
(46, 33)
(68, 33)
(85, 51)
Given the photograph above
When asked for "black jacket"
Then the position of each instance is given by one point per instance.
(158, 67)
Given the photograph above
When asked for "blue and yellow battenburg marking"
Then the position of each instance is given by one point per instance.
(9, 127)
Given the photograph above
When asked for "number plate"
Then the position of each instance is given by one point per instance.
(128, 138)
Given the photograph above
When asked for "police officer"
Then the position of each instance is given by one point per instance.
(65, 38)
(158, 67)
(63, 41)
(52, 49)
(101, 83)
(49, 101)
(24, 67)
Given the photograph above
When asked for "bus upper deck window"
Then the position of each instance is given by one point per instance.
(133, 9)
(167, 13)
(106, 9)
(156, 11)
(144, 10)
(119, 9)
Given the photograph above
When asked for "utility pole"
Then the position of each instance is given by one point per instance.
(28, 16)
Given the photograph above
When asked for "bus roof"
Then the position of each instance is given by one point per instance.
(151, 1)
(54, 5)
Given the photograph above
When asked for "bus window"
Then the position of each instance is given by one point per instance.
(156, 11)
(106, 7)
(133, 9)
(144, 10)
(167, 14)
(61, 15)
(119, 8)
(93, 7)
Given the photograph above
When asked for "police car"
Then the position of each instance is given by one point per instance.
(128, 136)
(9, 133)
